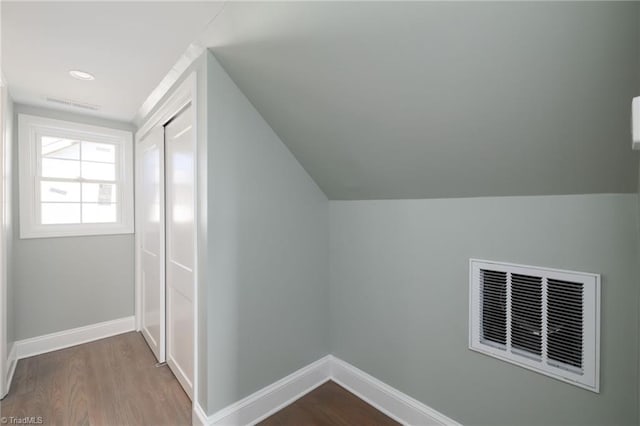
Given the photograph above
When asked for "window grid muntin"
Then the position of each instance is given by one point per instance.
(117, 181)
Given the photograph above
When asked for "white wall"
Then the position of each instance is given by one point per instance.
(399, 300)
(267, 299)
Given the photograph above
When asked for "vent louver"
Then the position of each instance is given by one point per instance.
(565, 323)
(542, 319)
(526, 314)
(494, 307)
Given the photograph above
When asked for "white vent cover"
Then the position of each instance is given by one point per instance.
(71, 103)
(542, 319)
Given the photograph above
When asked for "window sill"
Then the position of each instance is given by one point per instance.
(56, 231)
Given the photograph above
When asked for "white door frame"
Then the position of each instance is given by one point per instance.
(4, 361)
(186, 93)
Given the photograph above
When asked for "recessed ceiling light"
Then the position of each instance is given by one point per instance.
(81, 75)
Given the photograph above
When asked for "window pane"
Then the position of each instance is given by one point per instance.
(60, 168)
(101, 193)
(57, 213)
(98, 171)
(101, 152)
(59, 191)
(98, 213)
(60, 148)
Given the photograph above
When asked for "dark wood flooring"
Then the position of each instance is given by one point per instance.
(114, 382)
(108, 382)
(329, 404)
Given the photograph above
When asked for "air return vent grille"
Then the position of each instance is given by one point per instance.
(72, 103)
(543, 319)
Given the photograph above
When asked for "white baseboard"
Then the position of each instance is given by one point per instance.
(198, 416)
(267, 401)
(76, 336)
(395, 404)
(12, 361)
(260, 405)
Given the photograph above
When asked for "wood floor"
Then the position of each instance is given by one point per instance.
(109, 382)
(114, 382)
(329, 404)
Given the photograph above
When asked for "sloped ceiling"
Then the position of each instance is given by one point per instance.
(423, 100)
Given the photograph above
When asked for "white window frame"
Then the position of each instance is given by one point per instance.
(30, 129)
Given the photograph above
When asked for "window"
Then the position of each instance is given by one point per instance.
(542, 319)
(75, 179)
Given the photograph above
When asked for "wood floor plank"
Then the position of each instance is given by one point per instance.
(76, 407)
(329, 405)
(109, 382)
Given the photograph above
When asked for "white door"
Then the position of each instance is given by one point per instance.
(150, 223)
(180, 248)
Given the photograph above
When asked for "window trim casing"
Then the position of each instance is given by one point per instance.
(591, 375)
(29, 128)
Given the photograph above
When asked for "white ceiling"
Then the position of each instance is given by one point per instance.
(128, 46)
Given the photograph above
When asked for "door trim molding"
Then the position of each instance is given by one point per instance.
(180, 98)
(4, 359)
(12, 361)
(75, 336)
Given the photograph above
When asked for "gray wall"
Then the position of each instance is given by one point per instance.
(62, 283)
(268, 252)
(399, 300)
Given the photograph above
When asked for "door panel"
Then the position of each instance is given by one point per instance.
(180, 238)
(150, 220)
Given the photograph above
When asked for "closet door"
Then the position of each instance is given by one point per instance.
(180, 248)
(150, 223)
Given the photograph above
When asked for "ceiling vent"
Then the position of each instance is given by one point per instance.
(76, 104)
(542, 319)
